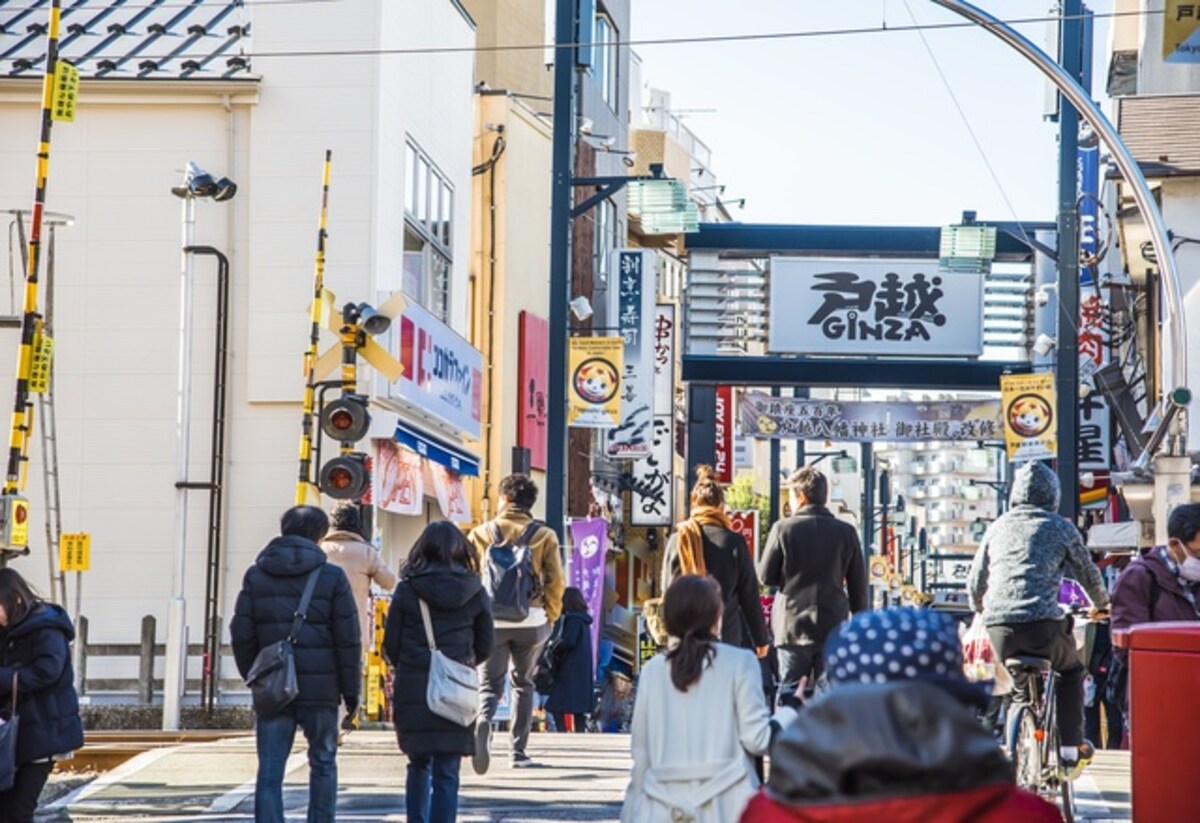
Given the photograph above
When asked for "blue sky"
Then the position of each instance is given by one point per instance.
(860, 129)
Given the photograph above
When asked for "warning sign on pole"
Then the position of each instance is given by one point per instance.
(75, 552)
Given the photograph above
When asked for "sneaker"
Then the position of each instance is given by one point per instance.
(520, 760)
(483, 744)
(1071, 769)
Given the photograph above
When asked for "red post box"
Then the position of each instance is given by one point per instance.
(1164, 682)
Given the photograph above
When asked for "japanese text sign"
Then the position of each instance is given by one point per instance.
(651, 485)
(631, 313)
(1029, 430)
(593, 395)
(783, 418)
(66, 92)
(873, 307)
(75, 552)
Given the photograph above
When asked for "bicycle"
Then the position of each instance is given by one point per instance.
(1032, 734)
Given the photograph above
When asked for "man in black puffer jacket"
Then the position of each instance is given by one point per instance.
(328, 650)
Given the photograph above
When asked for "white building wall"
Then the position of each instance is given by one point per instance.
(117, 295)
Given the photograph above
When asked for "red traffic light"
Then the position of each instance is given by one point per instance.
(346, 419)
(345, 477)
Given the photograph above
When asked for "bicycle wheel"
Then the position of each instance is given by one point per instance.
(1023, 748)
(1066, 790)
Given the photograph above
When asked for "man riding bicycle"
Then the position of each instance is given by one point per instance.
(1014, 581)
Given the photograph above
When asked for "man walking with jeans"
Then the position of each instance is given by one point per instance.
(327, 654)
(518, 642)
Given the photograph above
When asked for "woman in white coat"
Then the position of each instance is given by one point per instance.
(699, 719)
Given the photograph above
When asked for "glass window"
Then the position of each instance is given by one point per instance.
(428, 215)
(604, 59)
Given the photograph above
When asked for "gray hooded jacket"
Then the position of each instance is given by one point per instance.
(1020, 563)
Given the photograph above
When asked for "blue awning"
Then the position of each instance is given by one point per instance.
(443, 454)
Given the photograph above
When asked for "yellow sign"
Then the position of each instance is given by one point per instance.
(39, 368)
(1029, 425)
(75, 552)
(66, 91)
(1181, 31)
(374, 692)
(594, 396)
(16, 523)
(879, 569)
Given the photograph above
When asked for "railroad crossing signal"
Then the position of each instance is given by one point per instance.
(14, 532)
(346, 420)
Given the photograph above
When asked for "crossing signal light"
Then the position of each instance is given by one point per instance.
(346, 419)
(345, 477)
(14, 533)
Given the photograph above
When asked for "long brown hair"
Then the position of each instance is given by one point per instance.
(441, 544)
(691, 608)
(16, 596)
(707, 491)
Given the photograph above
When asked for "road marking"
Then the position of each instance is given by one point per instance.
(129, 767)
(233, 798)
(1089, 800)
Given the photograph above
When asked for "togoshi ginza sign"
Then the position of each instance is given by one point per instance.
(873, 307)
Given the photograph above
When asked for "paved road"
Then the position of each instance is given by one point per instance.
(581, 777)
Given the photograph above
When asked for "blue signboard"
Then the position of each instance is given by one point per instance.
(1087, 165)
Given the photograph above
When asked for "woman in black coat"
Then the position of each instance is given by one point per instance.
(441, 570)
(35, 650)
(571, 693)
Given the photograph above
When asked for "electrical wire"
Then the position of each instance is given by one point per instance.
(657, 41)
(176, 5)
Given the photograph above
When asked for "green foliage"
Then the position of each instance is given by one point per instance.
(740, 495)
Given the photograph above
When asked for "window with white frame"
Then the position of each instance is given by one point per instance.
(604, 60)
(428, 212)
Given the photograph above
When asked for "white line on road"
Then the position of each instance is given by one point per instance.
(131, 766)
(1089, 800)
(233, 798)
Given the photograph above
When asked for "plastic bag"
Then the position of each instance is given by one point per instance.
(979, 660)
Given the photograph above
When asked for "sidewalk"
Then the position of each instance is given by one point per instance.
(579, 777)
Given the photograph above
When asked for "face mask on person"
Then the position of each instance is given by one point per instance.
(1189, 568)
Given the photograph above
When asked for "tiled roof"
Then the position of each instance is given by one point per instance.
(130, 39)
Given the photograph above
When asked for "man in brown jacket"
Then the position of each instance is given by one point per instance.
(519, 642)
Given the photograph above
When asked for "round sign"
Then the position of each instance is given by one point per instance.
(1029, 415)
(596, 380)
(589, 546)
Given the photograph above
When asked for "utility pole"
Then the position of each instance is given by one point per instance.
(560, 263)
(1066, 375)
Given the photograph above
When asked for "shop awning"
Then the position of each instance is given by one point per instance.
(452, 457)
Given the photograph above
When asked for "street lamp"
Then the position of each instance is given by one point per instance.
(197, 183)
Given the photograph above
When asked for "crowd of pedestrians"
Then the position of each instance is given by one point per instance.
(470, 612)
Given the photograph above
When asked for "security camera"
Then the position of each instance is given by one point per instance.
(1044, 344)
(199, 183)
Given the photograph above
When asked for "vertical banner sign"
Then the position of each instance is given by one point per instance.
(66, 91)
(593, 400)
(652, 476)
(1181, 31)
(631, 312)
(398, 480)
(745, 523)
(1028, 403)
(590, 540)
(533, 374)
(1087, 166)
(723, 449)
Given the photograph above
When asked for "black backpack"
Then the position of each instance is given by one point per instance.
(508, 574)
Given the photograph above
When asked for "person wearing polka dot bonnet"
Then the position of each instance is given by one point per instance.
(896, 736)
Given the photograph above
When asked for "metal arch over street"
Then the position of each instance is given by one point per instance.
(1090, 112)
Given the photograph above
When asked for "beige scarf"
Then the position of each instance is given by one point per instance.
(691, 538)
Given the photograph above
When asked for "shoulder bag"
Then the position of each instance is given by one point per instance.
(453, 690)
(8, 743)
(272, 676)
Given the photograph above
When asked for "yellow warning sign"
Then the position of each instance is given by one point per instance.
(39, 368)
(75, 552)
(374, 692)
(66, 91)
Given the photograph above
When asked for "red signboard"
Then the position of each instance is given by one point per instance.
(745, 523)
(533, 373)
(723, 451)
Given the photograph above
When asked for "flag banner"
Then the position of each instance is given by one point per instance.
(785, 418)
(651, 485)
(451, 496)
(723, 442)
(1029, 431)
(745, 523)
(593, 400)
(631, 312)
(589, 537)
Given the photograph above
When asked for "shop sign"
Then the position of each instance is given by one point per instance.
(631, 313)
(443, 373)
(1181, 31)
(1029, 428)
(593, 400)
(873, 307)
(651, 485)
(589, 538)
(533, 375)
(783, 418)
(723, 445)
(745, 523)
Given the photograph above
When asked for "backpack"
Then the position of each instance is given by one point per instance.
(508, 574)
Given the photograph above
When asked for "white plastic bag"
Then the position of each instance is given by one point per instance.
(979, 660)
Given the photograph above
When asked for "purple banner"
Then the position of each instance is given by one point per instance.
(590, 539)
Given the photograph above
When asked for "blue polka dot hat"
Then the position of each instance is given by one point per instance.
(901, 644)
